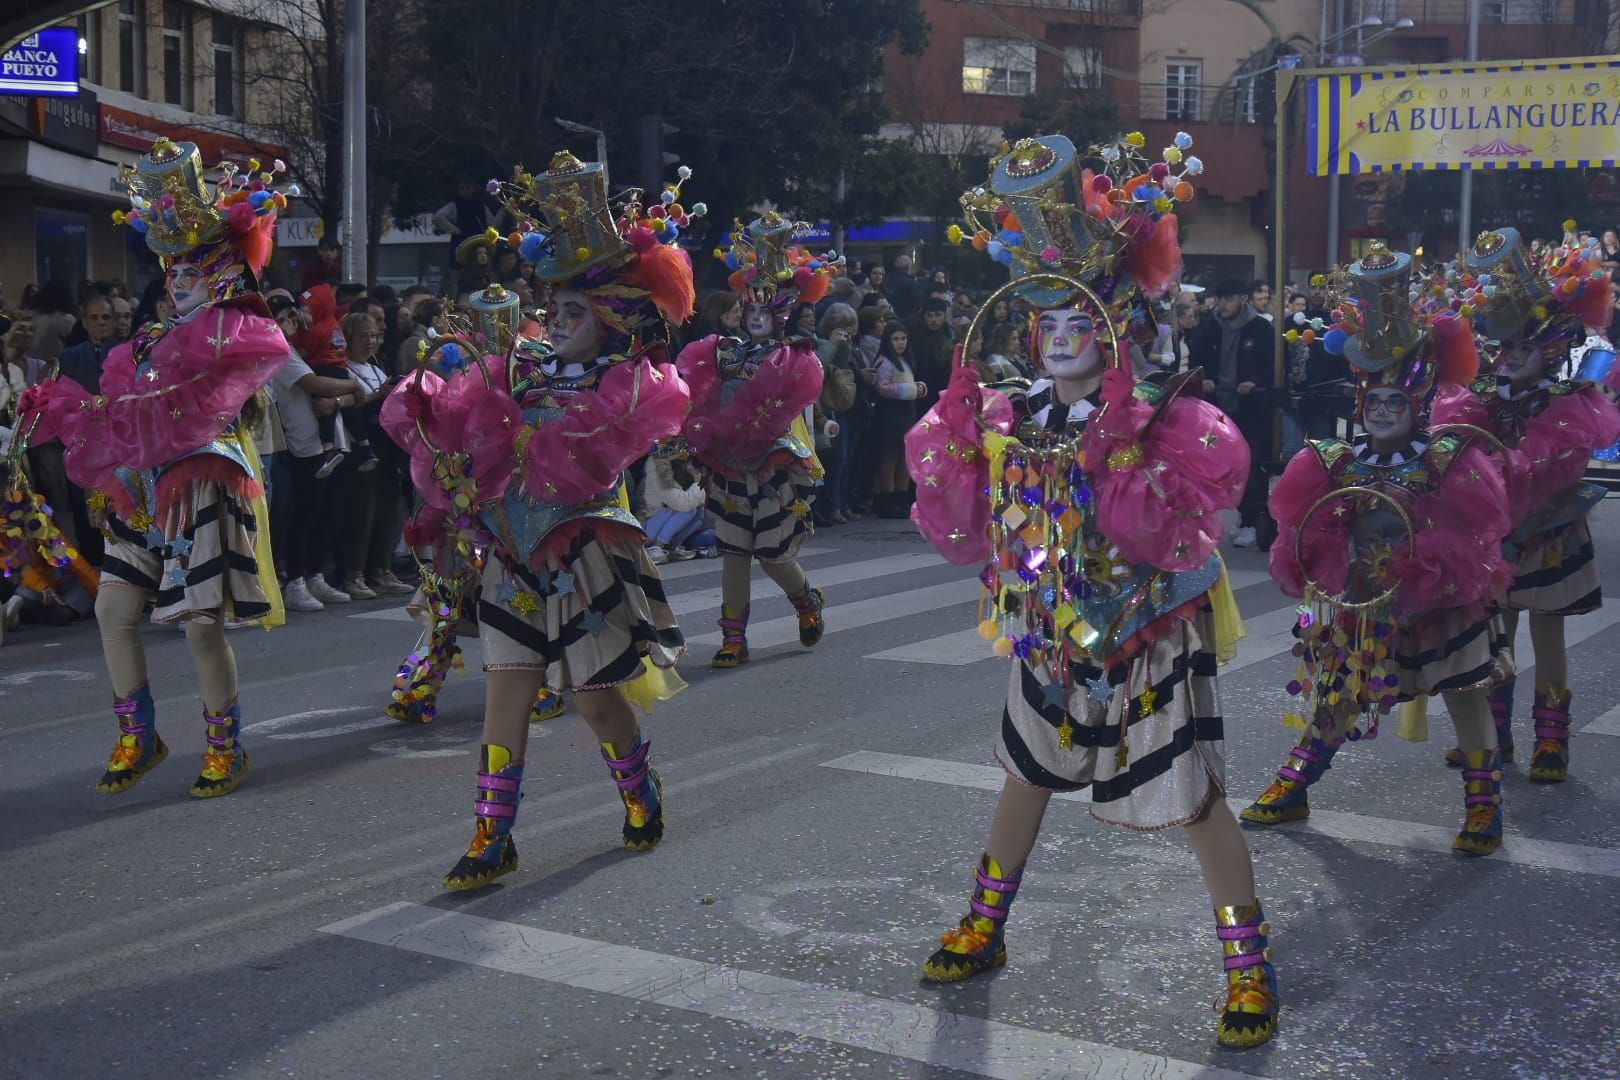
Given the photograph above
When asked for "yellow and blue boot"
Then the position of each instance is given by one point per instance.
(1549, 764)
(979, 942)
(1249, 1013)
(492, 851)
(1502, 717)
(225, 762)
(733, 650)
(1482, 789)
(139, 748)
(547, 706)
(1285, 799)
(642, 792)
(809, 604)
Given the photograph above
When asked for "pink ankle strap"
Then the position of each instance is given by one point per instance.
(1005, 886)
(1238, 933)
(495, 809)
(1244, 960)
(491, 782)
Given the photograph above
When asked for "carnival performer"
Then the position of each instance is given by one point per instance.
(1394, 541)
(1535, 309)
(445, 603)
(1098, 546)
(521, 454)
(167, 455)
(747, 428)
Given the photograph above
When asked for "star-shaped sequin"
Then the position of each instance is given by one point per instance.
(525, 602)
(154, 539)
(180, 546)
(564, 583)
(544, 579)
(177, 577)
(1210, 440)
(1052, 695)
(800, 509)
(594, 621)
(506, 593)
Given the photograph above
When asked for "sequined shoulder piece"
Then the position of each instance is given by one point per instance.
(1443, 451)
(1566, 386)
(1334, 453)
(1484, 386)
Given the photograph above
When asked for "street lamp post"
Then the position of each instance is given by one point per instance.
(586, 129)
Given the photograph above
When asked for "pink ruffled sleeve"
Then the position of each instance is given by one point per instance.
(1558, 443)
(1455, 560)
(1162, 482)
(945, 453)
(636, 404)
(1456, 404)
(202, 372)
(1325, 549)
(459, 414)
(787, 381)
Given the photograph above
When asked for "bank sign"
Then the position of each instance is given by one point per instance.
(1561, 114)
(45, 64)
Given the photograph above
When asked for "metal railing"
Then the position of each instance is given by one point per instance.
(1455, 12)
(1112, 9)
(1245, 101)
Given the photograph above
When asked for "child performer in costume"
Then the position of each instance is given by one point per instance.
(522, 454)
(1536, 311)
(165, 453)
(747, 428)
(1394, 541)
(446, 601)
(1100, 530)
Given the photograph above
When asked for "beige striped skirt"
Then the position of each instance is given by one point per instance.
(765, 516)
(198, 561)
(1172, 765)
(586, 616)
(1557, 574)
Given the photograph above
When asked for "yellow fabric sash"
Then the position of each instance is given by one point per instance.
(261, 542)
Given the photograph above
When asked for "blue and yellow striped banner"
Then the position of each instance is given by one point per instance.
(1555, 114)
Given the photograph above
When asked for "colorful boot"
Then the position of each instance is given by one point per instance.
(548, 705)
(139, 748)
(1249, 1013)
(1549, 763)
(492, 851)
(734, 644)
(642, 792)
(978, 944)
(809, 605)
(224, 762)
(1285, 799)
(1482, 785)
(1502, 714)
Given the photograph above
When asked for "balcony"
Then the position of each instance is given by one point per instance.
(1231, 128)
(1109, 9)
(1491, 12)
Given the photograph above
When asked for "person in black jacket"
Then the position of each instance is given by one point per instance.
(1234, 345)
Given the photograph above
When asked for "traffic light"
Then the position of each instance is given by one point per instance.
(652, 159)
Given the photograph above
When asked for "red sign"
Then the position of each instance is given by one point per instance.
(120, 127)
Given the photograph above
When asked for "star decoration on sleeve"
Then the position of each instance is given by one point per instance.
(1210, 440)
(1052, 695)
(565, 583)
(507, 592)
(525, 602)
(800, 509)
(594, 621)
(544, 579)
(177, 577)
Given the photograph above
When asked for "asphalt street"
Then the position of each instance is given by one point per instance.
(825, 809)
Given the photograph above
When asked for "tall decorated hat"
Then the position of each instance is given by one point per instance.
(1546, 299)
(1104, 218)
(621, 254)
(1397, 328)
(225, 229)
(767, 267)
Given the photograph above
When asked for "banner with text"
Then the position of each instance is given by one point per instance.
(1551, 115)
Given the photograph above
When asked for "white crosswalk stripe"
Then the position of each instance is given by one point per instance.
(823, 578)
(1412, 835)
(898, 1029)
(841, 617)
